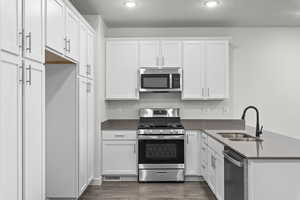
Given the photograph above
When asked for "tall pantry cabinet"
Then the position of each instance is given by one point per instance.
(22, 100)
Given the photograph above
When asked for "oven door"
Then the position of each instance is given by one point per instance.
(161, 152)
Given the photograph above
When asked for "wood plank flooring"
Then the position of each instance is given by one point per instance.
(148, 191)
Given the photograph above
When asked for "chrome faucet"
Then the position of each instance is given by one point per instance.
(259, 130)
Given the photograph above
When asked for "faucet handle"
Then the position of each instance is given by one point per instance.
(261, 129)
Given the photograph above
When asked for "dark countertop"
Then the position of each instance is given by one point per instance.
(189, 124)
(273, 146)
(120, 124)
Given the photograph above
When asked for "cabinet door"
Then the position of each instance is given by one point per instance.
(150, 53)
(55, 25)
(72, 35)
(33, 29)
(220, 177)
(171, 53)
(91, 129)
(91, 50)
(122, 70)
(11, 26)
(192, 153)
(119, 158)
(10, 131)
(83, 135)
(193, 70)
(217, 69)
(211, 175)
(33, 135)
(83, 67)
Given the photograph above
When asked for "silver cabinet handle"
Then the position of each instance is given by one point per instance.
(28, 38)
(65, 46)
(136, 92)
(88, 87)
(119, 136)
(21, 39)
(134, 148)
(21, 72)
(28, 81)
(187, 139)
(69, 46)
(203, 92)
(208, 92)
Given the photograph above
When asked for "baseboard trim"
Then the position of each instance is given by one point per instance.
(117, 178)
(193, 178)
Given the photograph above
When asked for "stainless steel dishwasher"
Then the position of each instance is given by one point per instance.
(235, 176)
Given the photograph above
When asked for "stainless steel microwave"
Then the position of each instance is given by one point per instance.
(155, 79)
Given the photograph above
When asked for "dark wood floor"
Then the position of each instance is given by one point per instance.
(148, 191)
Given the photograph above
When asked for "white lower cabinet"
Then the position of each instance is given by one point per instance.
(212, 164)
(119, 156)
(192, 151)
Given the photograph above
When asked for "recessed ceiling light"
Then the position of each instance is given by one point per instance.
(211, 3)
(130, 4)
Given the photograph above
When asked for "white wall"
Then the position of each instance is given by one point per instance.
(100, 28)
(265, 69)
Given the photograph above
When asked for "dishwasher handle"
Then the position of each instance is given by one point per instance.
(232, 160)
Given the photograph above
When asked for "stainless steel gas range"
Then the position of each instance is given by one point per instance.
(160, 146)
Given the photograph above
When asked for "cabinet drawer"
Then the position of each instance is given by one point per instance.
(216, 146)
(119, 135)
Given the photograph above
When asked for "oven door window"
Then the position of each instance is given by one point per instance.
(155, 81)
(161, 151)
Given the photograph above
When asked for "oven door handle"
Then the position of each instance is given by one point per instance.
(161, 137)
(232, 160)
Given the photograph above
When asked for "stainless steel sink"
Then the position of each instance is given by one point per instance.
(240, 137)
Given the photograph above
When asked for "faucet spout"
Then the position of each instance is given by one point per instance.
(258, 128)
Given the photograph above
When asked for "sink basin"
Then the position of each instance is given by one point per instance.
(240, 137)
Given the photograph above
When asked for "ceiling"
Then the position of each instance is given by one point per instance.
(191, 13)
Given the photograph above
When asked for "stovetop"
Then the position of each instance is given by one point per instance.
(160, 123)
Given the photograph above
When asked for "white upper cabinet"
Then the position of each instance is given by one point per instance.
(122, 70)
(33, 30)
(11, 26)
(150, 53)
(86, 53)
(165, 53)
(205, 64)
(217, 56)
(55, 26)
(72, 35)
(206, 69)
(193, 70)
(171, 53)
(90, 55)
(83, 68)
(63, 29)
